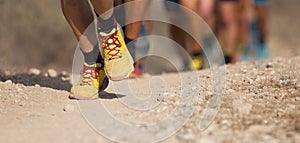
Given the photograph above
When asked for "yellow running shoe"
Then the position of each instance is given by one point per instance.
(92, 81)
(118, 61)
(196, 63)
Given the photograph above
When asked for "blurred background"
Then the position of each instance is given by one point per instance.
(35, 34)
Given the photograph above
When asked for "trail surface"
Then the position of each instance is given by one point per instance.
(261, 104)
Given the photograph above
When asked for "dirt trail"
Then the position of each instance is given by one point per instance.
(261, 104)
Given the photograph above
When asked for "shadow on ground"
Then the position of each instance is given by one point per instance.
(43, 81)
(55, 83)
(107, 95)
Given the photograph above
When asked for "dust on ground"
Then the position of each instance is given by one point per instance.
(261, 104)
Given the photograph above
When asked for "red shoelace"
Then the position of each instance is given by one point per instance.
(88, 74)
(112, 44)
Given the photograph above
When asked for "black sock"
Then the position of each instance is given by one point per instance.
(106, 25)
(197, 54)
(93, 56)
(130, 47)
(227, 59)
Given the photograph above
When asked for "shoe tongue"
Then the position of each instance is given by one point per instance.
(108, 32)
(88, 65)
(93, 65)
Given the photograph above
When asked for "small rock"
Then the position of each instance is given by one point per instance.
(64, 73)
(272, 72)
(65, 78)
(68, 108)
(166, 94)
(46, 74)
(162, 96)
(8, 82)
(189, 136)
(17, 101)
(231, 91)
(37, 85)
(52, 73)
(22, 103)
(269, 65)
(34, 71)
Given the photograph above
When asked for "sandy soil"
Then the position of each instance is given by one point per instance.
(261, 104)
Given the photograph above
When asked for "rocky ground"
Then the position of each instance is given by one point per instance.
(261, 104)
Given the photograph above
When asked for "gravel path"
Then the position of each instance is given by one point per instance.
(261, 104)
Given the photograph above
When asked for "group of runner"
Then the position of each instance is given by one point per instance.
(240, 27)
(229, 19)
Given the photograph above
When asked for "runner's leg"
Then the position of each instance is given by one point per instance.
(79, 15)
(228, 31)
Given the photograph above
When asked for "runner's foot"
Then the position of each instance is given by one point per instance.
(137, 71)
(117, 59)
(92, 81)
(196, 63)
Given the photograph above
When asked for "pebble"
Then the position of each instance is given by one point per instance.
(189, 136)
(52, 73)
(272, 72)
(37, 85)
(65, 78)
(17, 101)
(46, 74)
(68, 108)
(22, 103)
(166, 94)
(64, 73)
(231, 91)
(34, 71)
(8, 82)
(269, 65)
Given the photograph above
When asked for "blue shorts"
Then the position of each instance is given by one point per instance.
(261, 2)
